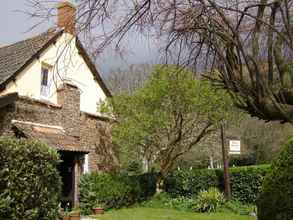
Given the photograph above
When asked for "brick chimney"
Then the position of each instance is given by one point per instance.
(68, 97)
(66, 16)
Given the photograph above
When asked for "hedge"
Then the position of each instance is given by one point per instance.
(114, 191)
(29, 180)
(189, 183)
(245, 182)
(275, 201)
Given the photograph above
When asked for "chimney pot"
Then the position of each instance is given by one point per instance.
(66, 16)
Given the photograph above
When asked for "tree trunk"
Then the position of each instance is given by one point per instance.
(226, 165)
(211, 162)
(159, 184)
(145, 165)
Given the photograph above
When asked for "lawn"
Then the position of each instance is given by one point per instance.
(165, 214)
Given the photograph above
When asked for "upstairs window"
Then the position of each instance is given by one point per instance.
(45, 73)
(45, 88)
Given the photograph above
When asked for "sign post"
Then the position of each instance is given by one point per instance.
(227, 185)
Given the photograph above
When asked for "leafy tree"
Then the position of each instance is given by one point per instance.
(129, 79)
(167, 117)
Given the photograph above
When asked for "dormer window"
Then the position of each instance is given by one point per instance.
(45, 87)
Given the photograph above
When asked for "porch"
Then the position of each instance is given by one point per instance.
(71, 168)
(72, 155)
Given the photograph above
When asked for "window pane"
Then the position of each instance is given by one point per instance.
(44, 77)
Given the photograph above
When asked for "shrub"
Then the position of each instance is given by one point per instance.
(29, 181)
(163, 200)
(147, 183)
(276, 198)
(234, 206)
(246, 182)
(242, 160)
(190, 183)
(110, 190)
(180, 203)
(209, 201)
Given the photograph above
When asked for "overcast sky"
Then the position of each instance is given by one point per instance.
(15, 26)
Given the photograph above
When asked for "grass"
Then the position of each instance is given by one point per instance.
(142, 213)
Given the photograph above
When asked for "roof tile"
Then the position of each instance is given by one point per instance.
(14, 56)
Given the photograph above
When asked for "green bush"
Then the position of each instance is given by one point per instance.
(29, 181)
(236, 207)
(163, 200)
(209, 200)
(189, 183)
(276, 198)
(147, 183)
(110, 190)
(246, 182)
(115, 191)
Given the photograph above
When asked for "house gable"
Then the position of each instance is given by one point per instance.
(67, 61)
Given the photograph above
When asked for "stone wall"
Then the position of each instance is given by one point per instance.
(93, 132)
(96, 133)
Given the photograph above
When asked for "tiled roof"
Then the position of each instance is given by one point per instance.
(15, 56)
(52, 136)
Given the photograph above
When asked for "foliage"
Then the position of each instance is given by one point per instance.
(147, 183)
(242, 160)
(190, 182)
(29, 181)
(114, 191)
(167, 117)
(180, 203)
(276, 198)
(164, 200)
(108, 190)
(209, 200)
(264, 139)
(245, 182)
(234, 206)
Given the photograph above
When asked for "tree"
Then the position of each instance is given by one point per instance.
(128, 80)
(263, 140)
(249, 42)
(167, 117)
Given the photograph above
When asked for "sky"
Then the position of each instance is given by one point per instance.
(15, 26)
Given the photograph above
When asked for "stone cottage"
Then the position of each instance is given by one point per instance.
(50, 91)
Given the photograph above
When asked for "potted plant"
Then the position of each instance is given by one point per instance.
(71, 215)
(74, 214)
(64, 214)
(99, 208)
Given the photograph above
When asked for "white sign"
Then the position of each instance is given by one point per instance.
(234, 146)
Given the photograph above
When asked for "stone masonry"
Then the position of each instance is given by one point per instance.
(91, 131)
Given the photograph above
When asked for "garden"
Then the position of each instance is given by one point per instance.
(195, 194)
(30, 185)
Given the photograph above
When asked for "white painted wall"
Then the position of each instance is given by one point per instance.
(66, 65)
